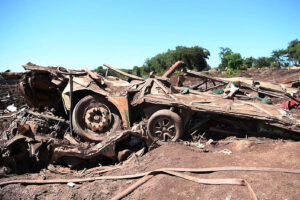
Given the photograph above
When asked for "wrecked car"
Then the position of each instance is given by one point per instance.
(111, 116)
(102, 105)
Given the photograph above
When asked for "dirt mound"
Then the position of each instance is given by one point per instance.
(272, 75)
(260, 153)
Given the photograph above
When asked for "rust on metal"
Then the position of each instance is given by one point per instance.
(112, 118)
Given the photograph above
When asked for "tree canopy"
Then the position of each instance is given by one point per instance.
(234, 62)
(193, 57)
(230, 60)
(293, 51)
(280, 56)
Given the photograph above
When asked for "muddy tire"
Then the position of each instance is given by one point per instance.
(94, 118)
(164, 126)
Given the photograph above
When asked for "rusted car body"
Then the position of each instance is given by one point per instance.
(112, 118)
(50, 87)
(118, 103)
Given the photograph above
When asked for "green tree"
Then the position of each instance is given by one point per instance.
(234, 61)
(136, 71)
(102, 71)
(264, 62)
(230, 60)
(193, 57)
(249, 62)
(280, 56)
(293, 51)
(224, 51)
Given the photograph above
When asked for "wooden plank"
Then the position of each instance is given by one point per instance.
(201, 75)
(165, 89)
(95, 76)
(123, 73)
(198, 85)
(213, 87)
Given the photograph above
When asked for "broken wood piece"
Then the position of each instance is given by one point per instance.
(213, 87)
(209, 142)
(213, 82)
(201, 75)
(172, 69)
(165, 89)
(94, 76)
(71, 139)
(268, 93)
(194, 87)
(123, 73)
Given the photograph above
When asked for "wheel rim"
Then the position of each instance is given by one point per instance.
(163, 129)
(97, 118)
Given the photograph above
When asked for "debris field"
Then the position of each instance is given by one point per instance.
(73, 134)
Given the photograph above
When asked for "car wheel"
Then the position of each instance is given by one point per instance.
(94, 118)
(164, 126)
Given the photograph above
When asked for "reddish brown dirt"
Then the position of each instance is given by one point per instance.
(258, 153)
(271, 75)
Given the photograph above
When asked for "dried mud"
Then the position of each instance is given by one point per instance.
(255, 152)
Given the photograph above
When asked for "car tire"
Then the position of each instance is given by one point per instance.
(89, 105)
(165, 126)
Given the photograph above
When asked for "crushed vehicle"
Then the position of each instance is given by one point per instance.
(97, 119)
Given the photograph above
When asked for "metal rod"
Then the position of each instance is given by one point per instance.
(71, 103)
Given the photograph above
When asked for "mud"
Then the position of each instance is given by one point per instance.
(131, 151)
(252, 152)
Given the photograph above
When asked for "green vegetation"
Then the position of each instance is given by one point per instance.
(231, 62)
(193, 57)
(293, 52)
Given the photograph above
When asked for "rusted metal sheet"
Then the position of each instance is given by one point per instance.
(122, 104)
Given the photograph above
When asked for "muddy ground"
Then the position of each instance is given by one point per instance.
(248, 152)
(254, 152)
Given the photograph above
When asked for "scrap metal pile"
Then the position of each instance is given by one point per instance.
(82, 119)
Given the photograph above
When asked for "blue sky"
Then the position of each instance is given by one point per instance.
(77, 34)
